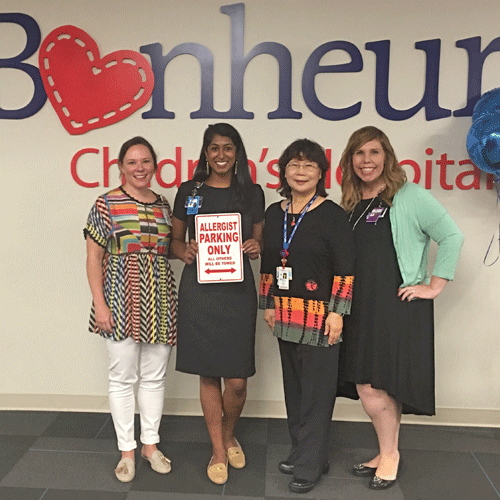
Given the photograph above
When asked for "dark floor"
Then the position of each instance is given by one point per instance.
(71, 456)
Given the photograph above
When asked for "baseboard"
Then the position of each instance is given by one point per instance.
(349, 411)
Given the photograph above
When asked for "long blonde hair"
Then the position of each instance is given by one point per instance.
(393, 174)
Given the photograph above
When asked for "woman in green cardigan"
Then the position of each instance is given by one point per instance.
(387, 357)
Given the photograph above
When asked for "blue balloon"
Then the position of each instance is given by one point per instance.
(483, 143)
(488, 103)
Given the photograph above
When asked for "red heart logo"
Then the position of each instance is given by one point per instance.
(88, 92)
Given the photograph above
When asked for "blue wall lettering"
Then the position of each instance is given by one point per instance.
(429, 101)
(240, 61)
(313, 67)
(159, 64)
(476, 62)
(33, 38)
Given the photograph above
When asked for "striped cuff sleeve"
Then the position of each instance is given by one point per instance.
(266, 297)
(95, 235)
(341, 299)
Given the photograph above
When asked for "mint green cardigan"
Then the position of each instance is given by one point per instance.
(416, 218)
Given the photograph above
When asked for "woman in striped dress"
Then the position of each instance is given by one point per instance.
(134, 306)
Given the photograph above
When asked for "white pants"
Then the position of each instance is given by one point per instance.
(126, 357)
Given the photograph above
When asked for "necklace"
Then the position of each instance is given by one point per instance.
(364, 212)
(293, 215)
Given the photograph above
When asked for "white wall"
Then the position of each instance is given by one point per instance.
(49, 360)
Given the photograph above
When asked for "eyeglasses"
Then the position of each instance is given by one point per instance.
(307, 167)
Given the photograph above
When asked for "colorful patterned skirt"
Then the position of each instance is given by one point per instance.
(140, 291)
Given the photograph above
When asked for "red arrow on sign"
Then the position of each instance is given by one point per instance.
(210, 271)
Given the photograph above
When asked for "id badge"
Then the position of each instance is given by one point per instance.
(193, 204)
(283, 277)
(376, 214)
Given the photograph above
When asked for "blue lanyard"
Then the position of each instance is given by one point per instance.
(286, 243)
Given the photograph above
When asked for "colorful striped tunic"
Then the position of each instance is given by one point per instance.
(322, 261)
(139, 285)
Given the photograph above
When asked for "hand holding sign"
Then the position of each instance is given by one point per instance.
(252, 248)
(189, 255)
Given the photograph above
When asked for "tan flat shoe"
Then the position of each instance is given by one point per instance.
(125, 470)
(159, 462)
(217, 473)
(236, 456)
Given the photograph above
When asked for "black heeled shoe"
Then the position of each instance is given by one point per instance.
(286, 467)
(363, 470)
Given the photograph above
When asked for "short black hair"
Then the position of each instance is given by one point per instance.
(303, 149)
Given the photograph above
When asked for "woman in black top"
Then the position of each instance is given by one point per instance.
(305, 289)
(387, 358)
(216, 324)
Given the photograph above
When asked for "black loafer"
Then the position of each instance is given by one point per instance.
(377, 483)
(286, 467)
(301, 485)
(363, 471)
